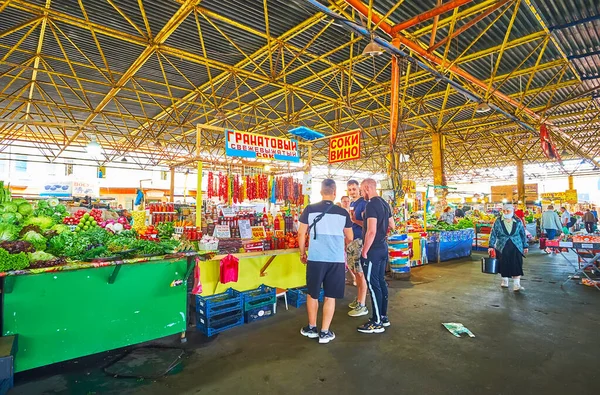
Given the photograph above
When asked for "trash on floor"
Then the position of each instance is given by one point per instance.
(457, 329)
(590, 283)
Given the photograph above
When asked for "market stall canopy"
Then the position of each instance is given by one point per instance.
(138, 76)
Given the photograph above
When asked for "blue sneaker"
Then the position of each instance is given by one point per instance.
(371, 327)
(385, 321)
(311, 333)
(326, 337)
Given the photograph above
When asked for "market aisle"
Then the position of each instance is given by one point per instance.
(536, 342)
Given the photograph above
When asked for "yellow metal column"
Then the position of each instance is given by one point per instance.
(437, 154)
(199, 197)
(172, 186)
(199, 180)
(520, 181)
(571, 182)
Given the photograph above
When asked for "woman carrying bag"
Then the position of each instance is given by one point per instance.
(509, 243)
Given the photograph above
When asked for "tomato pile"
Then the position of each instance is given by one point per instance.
(151, 233)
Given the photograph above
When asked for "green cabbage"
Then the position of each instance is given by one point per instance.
(9, 218)
(43, 221)
(25, 209)
(8, 232)
(39, 256)
(18, 201)
(60, 228)
(38, 241)
(10, 207)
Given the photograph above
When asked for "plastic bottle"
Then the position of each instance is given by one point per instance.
(265, 218)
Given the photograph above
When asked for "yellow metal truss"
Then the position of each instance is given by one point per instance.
(65, 90)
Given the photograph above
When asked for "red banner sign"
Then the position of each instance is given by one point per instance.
(344, 147)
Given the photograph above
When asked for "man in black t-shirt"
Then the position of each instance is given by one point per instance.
(377, 220)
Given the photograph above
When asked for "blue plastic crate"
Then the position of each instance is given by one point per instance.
(258, 297)
(212, 326)
(216, 319)
(259, 313)
(297, 296)
(208, 306)
(5, 386)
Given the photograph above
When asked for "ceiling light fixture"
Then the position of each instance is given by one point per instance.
(372, 48)
(93, 148)
(482, 108)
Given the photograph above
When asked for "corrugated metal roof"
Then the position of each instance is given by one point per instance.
(239, 80)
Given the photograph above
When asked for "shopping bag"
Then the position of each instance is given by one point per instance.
(197, 289)
(542, 243)
(229, 267)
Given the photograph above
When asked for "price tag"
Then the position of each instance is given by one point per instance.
(245, 228)
(590, 246)
(258, 232)
(228, 211)
(222, 232)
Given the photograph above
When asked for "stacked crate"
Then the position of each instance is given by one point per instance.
(217, 313)
(297, 296)
(259, 303)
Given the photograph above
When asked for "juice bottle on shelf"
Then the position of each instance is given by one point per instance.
(276, 224)
(270, 219)
(265, 218)
(295, 222)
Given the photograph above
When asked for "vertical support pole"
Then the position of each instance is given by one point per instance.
(439, 176)
(520, 181)
(199, 180)
(172, 186)
(437, 154)
(393, 169)
(307, 171)
(571, 182)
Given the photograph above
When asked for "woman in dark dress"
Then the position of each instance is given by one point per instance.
(509, 242)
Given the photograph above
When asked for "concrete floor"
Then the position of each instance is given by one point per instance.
(542, 341)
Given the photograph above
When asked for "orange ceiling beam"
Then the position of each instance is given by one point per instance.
(428, 14)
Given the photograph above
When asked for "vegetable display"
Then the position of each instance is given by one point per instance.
(40, 235)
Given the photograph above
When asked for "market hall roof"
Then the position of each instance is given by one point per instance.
(139, 75)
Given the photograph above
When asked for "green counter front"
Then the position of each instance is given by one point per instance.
(60, 315)
(82, 309)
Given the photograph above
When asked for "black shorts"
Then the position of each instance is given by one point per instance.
(331, 275)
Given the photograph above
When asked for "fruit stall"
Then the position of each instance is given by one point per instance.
(449, 241)
(83, 284)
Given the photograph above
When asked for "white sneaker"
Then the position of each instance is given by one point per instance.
(504, 283)
(518, 288)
